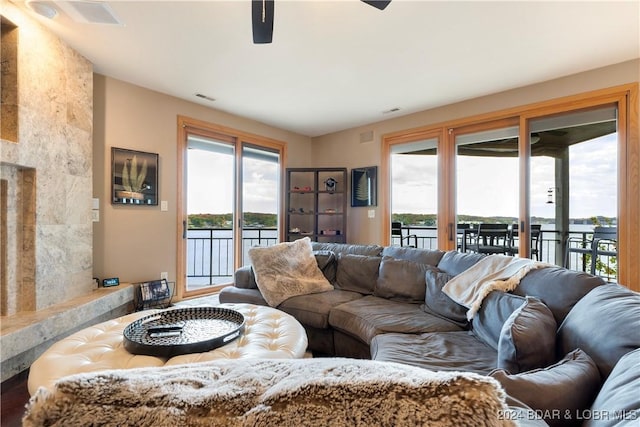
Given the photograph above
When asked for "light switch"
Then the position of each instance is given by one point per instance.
(95, 215)
(95, 203)
(164, 206)
(372, 213)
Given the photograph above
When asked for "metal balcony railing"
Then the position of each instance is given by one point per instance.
(210, 251)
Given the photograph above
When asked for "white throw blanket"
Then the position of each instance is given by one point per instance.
(494, 272)
(252, 392)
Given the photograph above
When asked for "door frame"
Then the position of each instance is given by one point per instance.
(187, 126)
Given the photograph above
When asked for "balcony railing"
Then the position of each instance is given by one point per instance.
(210, 251)
(551, 249)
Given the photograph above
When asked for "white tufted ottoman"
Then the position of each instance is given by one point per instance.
(268, 334)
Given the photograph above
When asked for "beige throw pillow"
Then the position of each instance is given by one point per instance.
(286, 270)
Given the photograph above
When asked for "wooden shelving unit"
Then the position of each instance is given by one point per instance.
(314, 207)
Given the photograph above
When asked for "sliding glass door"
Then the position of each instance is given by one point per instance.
(230, 186)
(414, 193)
(486, 175)
(574, 186)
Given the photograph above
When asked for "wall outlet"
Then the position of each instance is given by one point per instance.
(164, 275)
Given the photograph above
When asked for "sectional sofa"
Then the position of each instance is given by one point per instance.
(563, 344)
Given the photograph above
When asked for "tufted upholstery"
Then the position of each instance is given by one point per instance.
(269, 333)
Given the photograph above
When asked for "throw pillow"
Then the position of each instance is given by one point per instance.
(401, 280)
(438, 303)
(559, 392)
(286, 270)
(618, 398)
(357, 273)
(494, 312)
(528, 338)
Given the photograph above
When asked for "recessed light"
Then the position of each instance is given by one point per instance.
(43, 8)
(208, 98)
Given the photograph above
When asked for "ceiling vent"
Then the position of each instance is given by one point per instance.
(90, 12)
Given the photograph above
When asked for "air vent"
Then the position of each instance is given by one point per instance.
(393, 110)
(90, 12)
(208, 98)
(366, 137)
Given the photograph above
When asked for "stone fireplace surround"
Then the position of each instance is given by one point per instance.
(46, 230)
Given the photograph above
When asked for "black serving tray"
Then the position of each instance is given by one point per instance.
(174, 332)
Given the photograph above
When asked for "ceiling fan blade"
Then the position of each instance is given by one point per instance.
(262, 20)
(378, 4)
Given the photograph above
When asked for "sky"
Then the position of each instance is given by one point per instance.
(486, 186)
(489, 186)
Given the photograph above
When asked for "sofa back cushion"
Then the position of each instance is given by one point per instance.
(328, 264)
(558, 392)
(558, 288)
(496, 308)
(454, 262)
(605, 324)
(345, 248)
(357, 273)
(438, 303)
(401, 280)
(619, 397)
(422, 256)
(528, 337)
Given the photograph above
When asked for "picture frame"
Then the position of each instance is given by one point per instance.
(364, 186)
(134, 177)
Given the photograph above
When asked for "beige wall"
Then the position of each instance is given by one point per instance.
(136, 243)
(353, 154)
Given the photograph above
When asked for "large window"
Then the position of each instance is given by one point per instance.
(555, 174)
(230, 196)
(414, 193)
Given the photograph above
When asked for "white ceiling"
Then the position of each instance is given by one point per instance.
(334, 65)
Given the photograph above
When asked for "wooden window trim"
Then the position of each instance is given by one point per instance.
(625, 97)
(186, 126)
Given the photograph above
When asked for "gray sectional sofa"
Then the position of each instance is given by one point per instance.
(564, 344)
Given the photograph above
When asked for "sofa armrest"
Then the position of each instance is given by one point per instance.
(244, 278)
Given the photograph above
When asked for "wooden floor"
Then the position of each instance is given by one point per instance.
(14, 396)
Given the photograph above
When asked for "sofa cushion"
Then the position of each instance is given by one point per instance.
(454, 262)
(438, 303)
(605, 324)
(619, 397)
(357, 273)
(401, 280)
(496, 309)
(233, 294)
(528, 337)
(345, 248)
(438, 351)
(287, 269)
(327, 263)
(369, 316)
(313, 309)
(560, 391)
(558, 288)
(422, 256)
(244, 278)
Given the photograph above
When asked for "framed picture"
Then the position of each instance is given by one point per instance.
(134, 177)
(364, 186)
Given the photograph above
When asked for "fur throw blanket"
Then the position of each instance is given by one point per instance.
(494, 272)
(245, 392)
